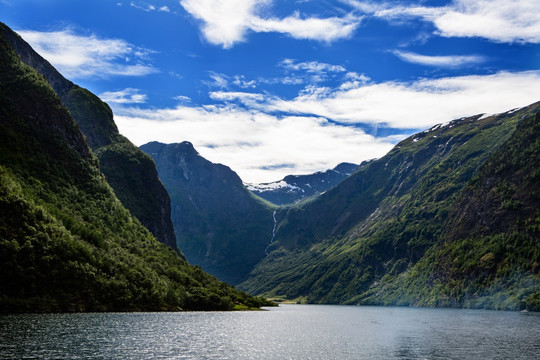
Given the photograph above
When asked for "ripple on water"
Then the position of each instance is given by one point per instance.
(287, 332)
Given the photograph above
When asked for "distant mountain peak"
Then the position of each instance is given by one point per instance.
(294, 188)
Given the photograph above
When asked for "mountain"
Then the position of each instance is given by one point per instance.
(490, 254)
(219, 224)
(129, 171)
(293, 188)
(67, 243)
(441, 220)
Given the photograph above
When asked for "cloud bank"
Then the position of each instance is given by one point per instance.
(258, 134)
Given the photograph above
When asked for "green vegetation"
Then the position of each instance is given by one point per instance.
(66, 242)
(129, 171)
(416, 228)
(490, 256)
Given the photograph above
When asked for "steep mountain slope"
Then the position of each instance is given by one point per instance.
(66, 242)
(130, 172)
(378, 223)
(219, 224)
(293, 188)
(490, 254)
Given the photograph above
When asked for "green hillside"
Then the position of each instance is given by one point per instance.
(66, 242)
(356, 243)
(129, 171)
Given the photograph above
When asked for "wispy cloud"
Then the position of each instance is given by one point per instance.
(242, 82)
(294, 73)
(496, 20)
(236, 95)
(126, 96)
(219, 80)
(310, 66)
(440, 61)
(226, 23)
(144, 6)
(85, 56)
(182, 98)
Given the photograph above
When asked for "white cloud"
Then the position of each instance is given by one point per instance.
(327, 29)
(440, 61)
(126, 96)
(227, 22)
(224, 22)
(230, 96)
(310, 66)
(253, 143)
(81, 56)
(218, 80)
(496, 20)
(240, 81)
(257, 133)
(414, 105)
(182, 98)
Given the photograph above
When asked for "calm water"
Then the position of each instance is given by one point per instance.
(287, 332)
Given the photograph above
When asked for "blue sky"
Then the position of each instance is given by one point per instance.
(272, 88)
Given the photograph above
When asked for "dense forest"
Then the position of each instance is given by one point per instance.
(67, 242)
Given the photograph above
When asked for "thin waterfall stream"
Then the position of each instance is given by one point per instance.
(273, 232)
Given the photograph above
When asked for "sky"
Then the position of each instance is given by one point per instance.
(278, 87)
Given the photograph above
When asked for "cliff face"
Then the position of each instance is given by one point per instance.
(219, 224)
(120, 160)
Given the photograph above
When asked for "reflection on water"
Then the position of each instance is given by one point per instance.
(287, 332)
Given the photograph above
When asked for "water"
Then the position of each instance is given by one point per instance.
(287, 332)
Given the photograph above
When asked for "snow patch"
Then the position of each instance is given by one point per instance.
(277, 185)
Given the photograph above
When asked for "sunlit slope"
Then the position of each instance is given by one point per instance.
(372, 229)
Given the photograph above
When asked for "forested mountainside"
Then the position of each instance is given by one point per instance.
(294, 188)
(219, 224)
(66, 242)
(490, 254)
(129, 171)
(449, 217)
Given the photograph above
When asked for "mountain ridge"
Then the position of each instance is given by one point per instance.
(294, 188)
(352, 242)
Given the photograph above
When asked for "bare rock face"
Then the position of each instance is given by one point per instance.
(219, 224)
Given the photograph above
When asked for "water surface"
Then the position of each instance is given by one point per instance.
(287, 332)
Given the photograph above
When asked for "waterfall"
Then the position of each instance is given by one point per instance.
(273, 232)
